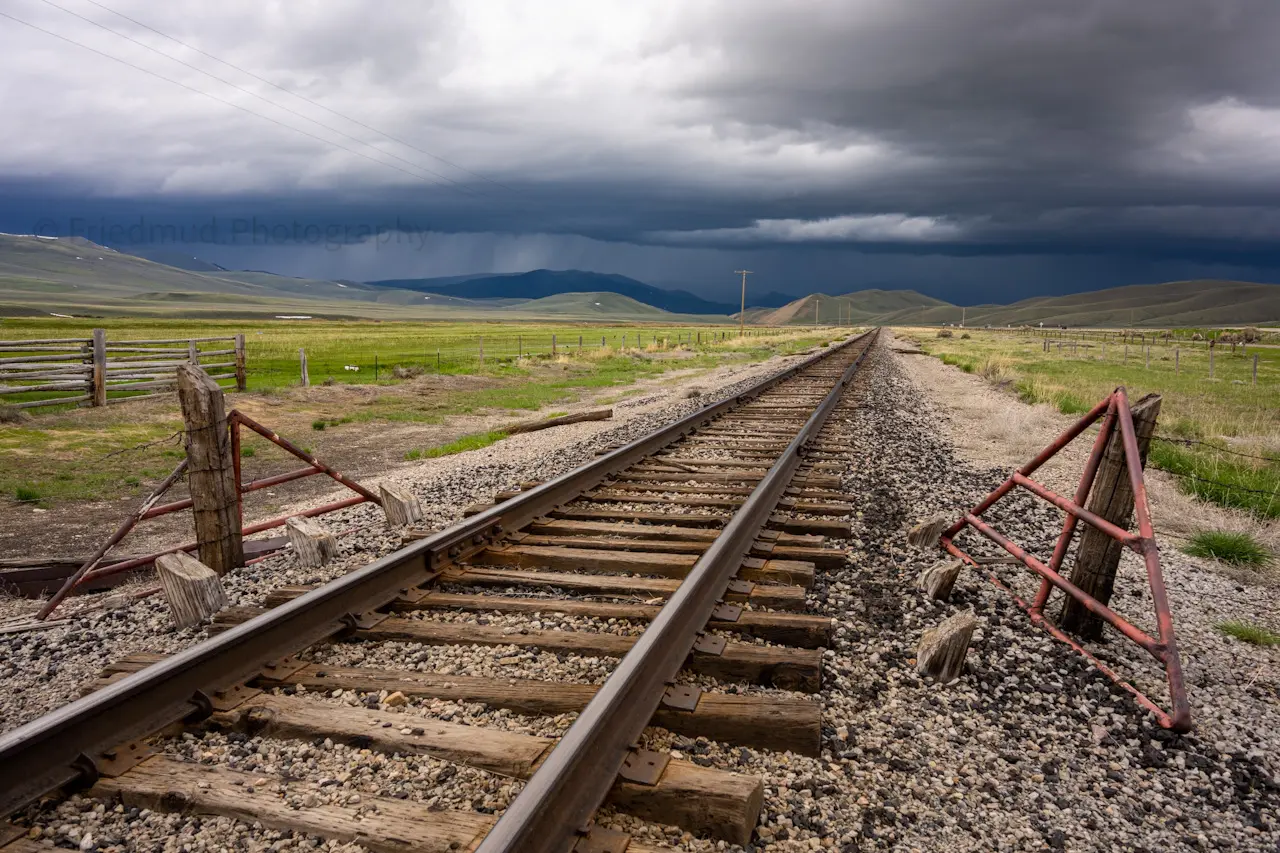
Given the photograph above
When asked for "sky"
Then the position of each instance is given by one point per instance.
(981, 151)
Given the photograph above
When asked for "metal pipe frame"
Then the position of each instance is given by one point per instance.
(60, 747)
(572, 782)
(1114, 410)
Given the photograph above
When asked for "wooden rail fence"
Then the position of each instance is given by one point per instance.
(94, 371)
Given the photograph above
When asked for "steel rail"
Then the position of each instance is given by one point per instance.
(557, 803)
(65, 745)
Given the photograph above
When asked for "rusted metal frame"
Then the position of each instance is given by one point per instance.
(1164, 650)
(1075, 512)
(559, 800)
(1035, 464)
(46, 753)
(1151, 560)
(123, 530)
(236, 416)
(1162, 717)
(1092, 604)
(252, 486)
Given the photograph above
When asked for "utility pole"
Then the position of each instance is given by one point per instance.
(962, 313)
(817, 300)
(742, 316)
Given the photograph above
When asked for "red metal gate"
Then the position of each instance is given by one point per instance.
(1112, 410)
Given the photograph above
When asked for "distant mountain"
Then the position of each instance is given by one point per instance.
(537, 284)
(863, 307)
(1205, 302)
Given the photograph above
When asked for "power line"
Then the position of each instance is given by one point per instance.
(253, 94)
(209, 95)
(314, 103)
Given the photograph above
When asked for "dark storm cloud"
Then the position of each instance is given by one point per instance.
(863, 143)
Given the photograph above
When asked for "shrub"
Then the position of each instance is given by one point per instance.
(945, 333)
(1238, 549)
(318, 424)
(966, 336)
(996, 369)
(1249, 632)
(12, 415)
(26, 494)
(329, 381)
(406, 372)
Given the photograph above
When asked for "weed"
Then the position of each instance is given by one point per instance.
(26, 494)
(467, 442)
(247, 452)
(1249, 632)
(412, 455)
(1238, 549)
(319, 424)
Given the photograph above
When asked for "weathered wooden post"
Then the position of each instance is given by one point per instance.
(242, 381)
(1111, 498)
(1211, 349)
(482, 349)
(553, 344)
(942, 650)
(99, 367)
(1255, 368)
(302, 363)
(211, 470)
(314, 545)
(192, 589)
(400, 506)
(193, 352)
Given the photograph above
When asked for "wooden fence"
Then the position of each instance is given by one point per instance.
(95, 371)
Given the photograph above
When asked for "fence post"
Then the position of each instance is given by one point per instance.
(99, 367)
(302, 363)
(481, 349)
(193, 353)
(210, 470)
(1111, 497)
(375, 367)
(553, 344)
(1148, 357)
(1177, 361)
(242, 382)
(579, 343)
(437, 360)
(1255, 368)
(519, 346)
(1211, 349)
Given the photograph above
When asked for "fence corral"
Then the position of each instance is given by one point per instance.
(95, 371)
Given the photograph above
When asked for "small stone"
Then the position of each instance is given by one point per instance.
(395, 700)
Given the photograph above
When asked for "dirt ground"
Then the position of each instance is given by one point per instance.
(992, 426)
(363, 450)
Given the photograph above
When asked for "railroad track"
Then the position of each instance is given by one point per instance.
(686, 555)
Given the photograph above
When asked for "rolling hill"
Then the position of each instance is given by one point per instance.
(1207, 302)
(537, 284)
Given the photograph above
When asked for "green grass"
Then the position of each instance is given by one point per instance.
(1238, 549)
(1220, 478)
(458, 445)
(26, 494)
(1226, 411)
(1249, 632)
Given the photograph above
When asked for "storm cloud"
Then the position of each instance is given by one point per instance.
(985, 149)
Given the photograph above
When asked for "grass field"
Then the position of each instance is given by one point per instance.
(63, 454)
(376, 347)
(1219, 434)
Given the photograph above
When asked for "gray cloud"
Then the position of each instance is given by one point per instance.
(852, 142)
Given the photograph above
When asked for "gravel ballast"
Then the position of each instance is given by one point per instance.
(1031, 749)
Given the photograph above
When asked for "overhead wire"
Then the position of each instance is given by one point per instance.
(311, 101)
(447, 180)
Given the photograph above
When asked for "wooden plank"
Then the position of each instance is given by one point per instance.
(762, 722)
(640, 532)
(699, 799)
(702, 519)
(790, 629)
(778, 597)
(822, 527)
(778, 666)
(611, 561)
(563, 420)
(380, 824)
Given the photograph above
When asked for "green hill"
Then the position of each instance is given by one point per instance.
(1171, 304)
